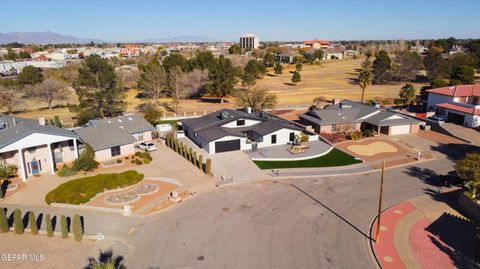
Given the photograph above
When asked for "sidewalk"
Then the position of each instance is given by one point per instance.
(426, 232)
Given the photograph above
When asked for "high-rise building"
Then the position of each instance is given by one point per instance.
(249, 41)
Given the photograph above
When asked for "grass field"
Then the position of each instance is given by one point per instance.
(333, 158)
(331, 79)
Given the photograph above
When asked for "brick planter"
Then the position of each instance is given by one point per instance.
(471, 208)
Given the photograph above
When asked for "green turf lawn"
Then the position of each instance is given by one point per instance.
(334, 158)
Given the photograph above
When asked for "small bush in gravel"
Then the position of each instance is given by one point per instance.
(208, 166)
(77, 228)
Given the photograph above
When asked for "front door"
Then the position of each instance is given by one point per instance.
(35, 167)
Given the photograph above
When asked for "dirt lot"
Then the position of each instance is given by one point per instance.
(43, 252)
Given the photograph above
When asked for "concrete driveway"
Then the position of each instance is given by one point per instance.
(468, 134)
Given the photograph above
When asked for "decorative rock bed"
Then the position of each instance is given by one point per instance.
(132, 195)
(12, 187)
(112, 163)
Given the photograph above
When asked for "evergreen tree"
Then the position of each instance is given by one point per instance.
(32, 223)
(364, 79)
(153, 80)
(298, 67)
(30, 75)
(64, 226)
(4, 226)
(381, 68)
(97, 90)
(77, 228)
(296, 77)
(278, 69)
(49, 227)
(18, 222)
(222, 78)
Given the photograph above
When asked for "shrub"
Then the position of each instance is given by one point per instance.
(49, 227)
(132, 161)
(147, 161)
(66, 172)
(138, 162)
(194, 161)
(200, 161)
(4, 227)
(81, 190)
(208, 166)
(32, 223)
(369, 133)
(119, 161)
(7, 170)
(355, 135)
(190, 154)
(77, 228)
(18, 222)
(86, 161)
(64, 226)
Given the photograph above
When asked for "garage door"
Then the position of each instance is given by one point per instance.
(228, 145)
(400, 129)
(456, 118)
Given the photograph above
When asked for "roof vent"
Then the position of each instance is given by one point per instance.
(224, 115)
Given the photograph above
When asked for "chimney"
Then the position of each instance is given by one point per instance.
(42, 121)
(248, 110)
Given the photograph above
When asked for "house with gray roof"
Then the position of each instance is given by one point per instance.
(35, 147)
(236, 129)
(347, 116)
(115, 137)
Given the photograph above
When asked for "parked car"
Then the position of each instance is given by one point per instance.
(450, 180)
(439, 119)
(147, 146)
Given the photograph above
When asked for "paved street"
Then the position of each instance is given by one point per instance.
(309, 223)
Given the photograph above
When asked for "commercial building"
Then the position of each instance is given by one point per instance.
(249, 41)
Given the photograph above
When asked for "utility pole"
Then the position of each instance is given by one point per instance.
(377, 235)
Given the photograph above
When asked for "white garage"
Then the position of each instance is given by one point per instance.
(399, 129)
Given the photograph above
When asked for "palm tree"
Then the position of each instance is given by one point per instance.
(364, 79)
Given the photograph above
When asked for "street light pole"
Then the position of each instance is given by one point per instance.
(377, 235)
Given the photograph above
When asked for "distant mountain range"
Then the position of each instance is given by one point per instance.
(43, 38)
(55, 38)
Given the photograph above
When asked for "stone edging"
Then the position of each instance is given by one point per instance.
(293, 159)
(86, 207)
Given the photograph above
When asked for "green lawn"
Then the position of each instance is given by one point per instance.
(334, 158)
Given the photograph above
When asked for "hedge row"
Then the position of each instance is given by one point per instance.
(80, 191)
(189, 154)
(76, 226)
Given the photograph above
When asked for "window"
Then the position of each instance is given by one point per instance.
(115, 151)
(274, 139)
(292, 137)
(334, 127)
(240, 122)
(70, 145)
(138, 136)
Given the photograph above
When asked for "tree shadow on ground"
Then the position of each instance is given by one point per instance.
(427, 176)
(290, 84)
(107, 260)
(455, 151)
(456, 236)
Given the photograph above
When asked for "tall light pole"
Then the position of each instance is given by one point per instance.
(377, 235)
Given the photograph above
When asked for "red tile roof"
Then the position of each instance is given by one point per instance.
(311, 42)
(464, 109)
(458, 91)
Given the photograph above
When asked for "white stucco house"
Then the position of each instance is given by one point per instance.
(235, 129)
(459, 104)
(33, 146)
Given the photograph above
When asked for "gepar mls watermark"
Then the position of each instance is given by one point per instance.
(22, 257)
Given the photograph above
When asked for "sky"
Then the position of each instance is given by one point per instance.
(121, 20)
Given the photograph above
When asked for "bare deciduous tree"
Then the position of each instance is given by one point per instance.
(257, 99)
(10, 98)
(176, 83)
(152, 81)
(50, 90)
